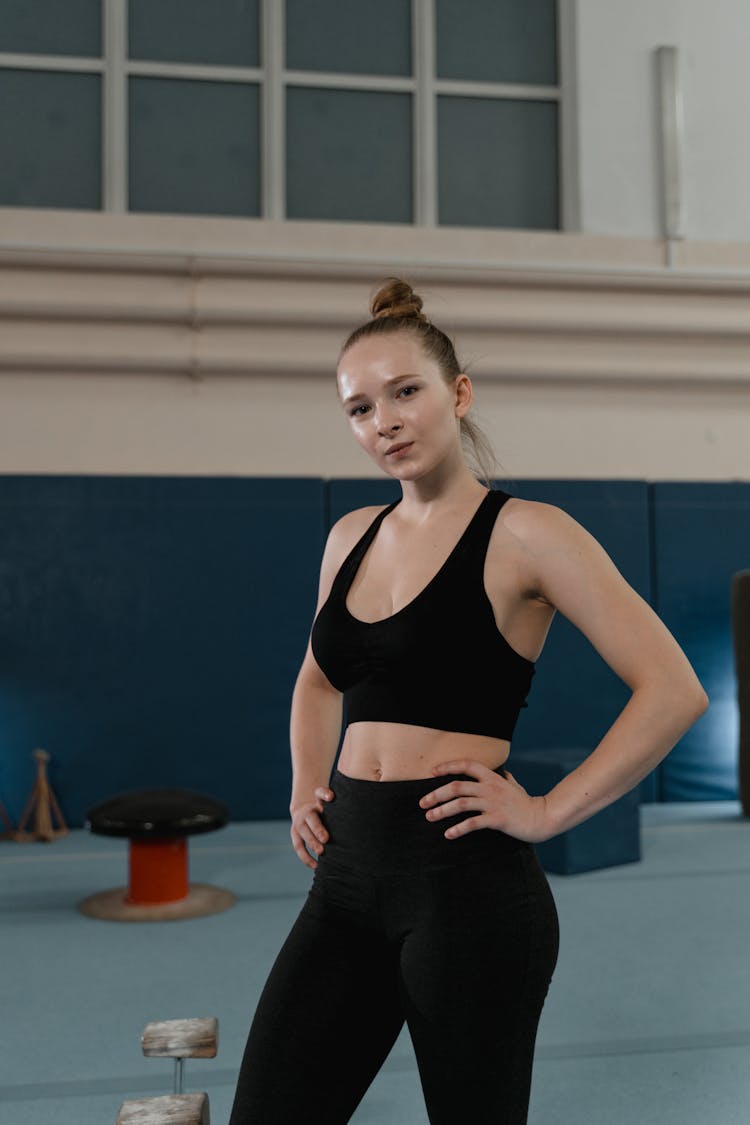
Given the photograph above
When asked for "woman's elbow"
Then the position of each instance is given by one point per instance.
(694, 700)
(686, 697)
(702, 701)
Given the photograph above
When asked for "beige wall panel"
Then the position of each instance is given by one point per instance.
(617, 433)
(268, 426)
(145, 344)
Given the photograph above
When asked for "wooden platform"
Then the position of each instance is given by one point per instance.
(170, 1109)
(181, 1039)
(201, 900)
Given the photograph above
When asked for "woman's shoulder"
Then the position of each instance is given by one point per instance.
(547, 542)
(346, 532)
(526, 518)
(359, 517)
(538, 527)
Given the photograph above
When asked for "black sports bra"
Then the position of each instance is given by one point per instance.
(440, 661)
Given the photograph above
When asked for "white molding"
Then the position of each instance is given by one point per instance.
(329, 80)
(203, 314)
(517, 91)
(49, 62)
(196, 71)
(533, 270)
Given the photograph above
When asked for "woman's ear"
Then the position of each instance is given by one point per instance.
(464, 394)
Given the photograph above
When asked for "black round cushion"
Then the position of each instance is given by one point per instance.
(146, 814)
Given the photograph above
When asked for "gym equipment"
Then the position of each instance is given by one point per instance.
(43, 804)
(180, 1040)
(196, 1038)
(740, 597)
(171, 1109)
(157, 823)
(608, 838)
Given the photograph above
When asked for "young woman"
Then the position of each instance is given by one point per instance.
(428, 904)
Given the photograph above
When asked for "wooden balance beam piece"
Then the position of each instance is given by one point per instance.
(179, 1040)
(170, 1109)
(196, 1038)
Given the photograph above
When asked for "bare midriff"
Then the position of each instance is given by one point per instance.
(375, 751)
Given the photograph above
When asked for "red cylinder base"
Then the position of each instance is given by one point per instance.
(158, 872)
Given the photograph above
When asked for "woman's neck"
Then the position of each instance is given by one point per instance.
(424, 498)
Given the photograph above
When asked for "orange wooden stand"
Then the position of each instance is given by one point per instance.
(158, 872)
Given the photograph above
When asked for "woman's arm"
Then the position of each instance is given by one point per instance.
(315, 723)
(573, 572)
(315, 727)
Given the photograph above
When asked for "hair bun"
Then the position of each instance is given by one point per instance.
(396, 298)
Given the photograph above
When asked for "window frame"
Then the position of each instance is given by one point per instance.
(273, 78)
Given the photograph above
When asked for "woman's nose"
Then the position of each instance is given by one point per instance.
(387, 424)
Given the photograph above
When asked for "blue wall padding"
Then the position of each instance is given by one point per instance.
(151, 629)
(702, 537)
(346, 495)
(150, 633)
(574, 696)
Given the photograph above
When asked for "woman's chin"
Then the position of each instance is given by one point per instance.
(401, 470)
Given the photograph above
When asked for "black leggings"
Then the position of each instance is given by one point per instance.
(457, 937)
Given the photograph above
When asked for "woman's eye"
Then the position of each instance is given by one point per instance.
(356, 412)
(407, 391)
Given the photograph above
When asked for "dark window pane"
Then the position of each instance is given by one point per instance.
(222, 32)
(348, 155)
(51, 27)
(497, 41)
(497, 162)
(50, 139)
(349, 36)
(194, 147)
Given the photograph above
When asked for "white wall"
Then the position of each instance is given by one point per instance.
(161, 344)
(617, 114)
(191, 345)
(292, 427)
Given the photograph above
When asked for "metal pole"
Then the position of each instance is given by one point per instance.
(671, 146)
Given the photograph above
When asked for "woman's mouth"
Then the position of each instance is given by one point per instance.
(400, 449)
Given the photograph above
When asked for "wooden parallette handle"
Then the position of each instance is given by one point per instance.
(171, 1109)
(181, 1039)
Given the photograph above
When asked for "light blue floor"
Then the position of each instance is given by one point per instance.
(647, 1021)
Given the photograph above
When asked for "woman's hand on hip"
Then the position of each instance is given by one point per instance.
(307, 827)
(498, 801)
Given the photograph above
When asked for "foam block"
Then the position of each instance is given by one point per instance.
(608, 838)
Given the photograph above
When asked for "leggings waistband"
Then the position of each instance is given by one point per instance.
(378, 827)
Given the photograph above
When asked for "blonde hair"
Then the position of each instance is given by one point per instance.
(397, 308)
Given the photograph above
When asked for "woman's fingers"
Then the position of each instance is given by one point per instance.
(452, 808)
(301, 838)
(300, 849)
(309, 833)
(316, 827)
(445, 792)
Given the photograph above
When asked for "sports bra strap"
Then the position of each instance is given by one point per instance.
(350, 565)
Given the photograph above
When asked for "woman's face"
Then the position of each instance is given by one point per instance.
(401, 410)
